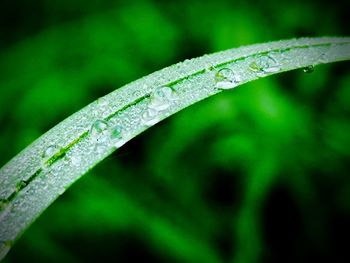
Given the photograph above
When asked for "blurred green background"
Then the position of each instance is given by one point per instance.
(258, 174)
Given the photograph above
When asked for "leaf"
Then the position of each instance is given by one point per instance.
(33, 179)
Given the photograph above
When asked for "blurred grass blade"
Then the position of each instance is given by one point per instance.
(32, 180)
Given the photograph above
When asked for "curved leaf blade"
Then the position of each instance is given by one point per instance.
(33, 179)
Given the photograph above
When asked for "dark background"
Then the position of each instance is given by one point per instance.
(258, 174)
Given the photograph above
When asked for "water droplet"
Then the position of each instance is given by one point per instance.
(102, 102)
(138, 93)
(99, 130)
(20, 185)
(98, 127)
(150, 117)
(50, 151)
(116, 132)
(117, 136)
(264, 64)
(161, 98)
(309, 69)
(226, 79)
(323, 58)
(61, 190)
(47, 154)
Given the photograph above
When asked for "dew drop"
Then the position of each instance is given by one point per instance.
(117, 136)
(98, 127)
(150, 117)
(116, 132)
(161, 98)
(226, 79)
(49, 151)
(323, 58)
(98, 132)
(61, 190)
(264, 64)
(102, 102)
(309, 69)
(47, 154)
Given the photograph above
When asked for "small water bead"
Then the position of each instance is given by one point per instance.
(117, 136)
(264, 64)
(98, 127)
(61, 190)
(50, 151)
(98, 131)
(323, 58)
(116, 132)
(226, 79)
(309, 69)
(150, 117)
(102, 102)
(138, 93)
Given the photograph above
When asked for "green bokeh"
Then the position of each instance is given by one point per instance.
(258, 174)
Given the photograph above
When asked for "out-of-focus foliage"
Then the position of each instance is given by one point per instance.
(258, 174)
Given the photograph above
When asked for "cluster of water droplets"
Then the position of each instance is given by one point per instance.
(116, 132)
(160, 101)
(103, 135)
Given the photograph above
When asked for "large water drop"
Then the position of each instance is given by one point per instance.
(161, 98)
(264, 64)
(150, 117)
(226, 79)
